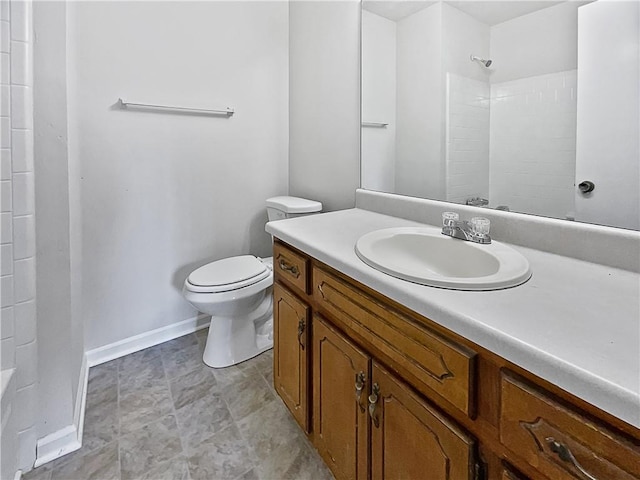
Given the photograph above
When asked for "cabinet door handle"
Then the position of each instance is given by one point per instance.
(289, 268)
(320, 290)
(565, 455)
(301, 327)
(373, 402)
(360, 383)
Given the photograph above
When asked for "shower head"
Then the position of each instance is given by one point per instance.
(486, 63)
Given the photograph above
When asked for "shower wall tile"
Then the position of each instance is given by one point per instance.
(22, 146)
(6, 197)
(20, 16)
(5, 132)
(467, 138)
(5, 164)
(24, 279)
(7, 353)
(6, 259)
(27, 374)
(5, 37)
(27, 399)
(5, 100)
(24, 315)
(6, 228)
(24, 241)
(5, 65)
(6, 323)
(19, 348)
(20, 64)
(23, 194)
(21, 106)
(6, 291)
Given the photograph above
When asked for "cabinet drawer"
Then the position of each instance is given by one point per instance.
(422, 357)
(560, 442)
(291, 267)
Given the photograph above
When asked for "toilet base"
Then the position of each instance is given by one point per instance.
(232, 340)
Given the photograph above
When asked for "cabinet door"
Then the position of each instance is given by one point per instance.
(340, 390)
(290, 353)
(410, 439)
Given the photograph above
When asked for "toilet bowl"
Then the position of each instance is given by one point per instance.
(236, 292)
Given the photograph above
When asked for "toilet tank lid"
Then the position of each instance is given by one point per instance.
(294, 204)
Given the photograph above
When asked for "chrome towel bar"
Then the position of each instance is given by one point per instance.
(227, 111)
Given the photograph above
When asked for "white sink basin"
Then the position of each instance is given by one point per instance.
(425, 256)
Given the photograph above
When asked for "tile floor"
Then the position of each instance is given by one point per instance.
(162, 414)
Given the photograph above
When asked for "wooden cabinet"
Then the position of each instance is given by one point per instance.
(385, 393)
(291, 353)
(560, 442)
(412, 439)
(341, 377)
(352, 396)
(433, 364)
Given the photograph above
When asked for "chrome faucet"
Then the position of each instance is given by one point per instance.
(477, 230)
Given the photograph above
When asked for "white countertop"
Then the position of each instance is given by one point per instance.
(574, 323)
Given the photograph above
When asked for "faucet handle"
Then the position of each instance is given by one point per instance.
(448, 218)
(480, 226)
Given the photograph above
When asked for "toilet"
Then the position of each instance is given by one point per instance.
(236, 292)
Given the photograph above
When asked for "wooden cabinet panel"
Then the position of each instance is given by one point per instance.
(509, 473)
(421, 356)
(559, 442)
(291, 353)
(291, 267)
(340, 384)
(411, 440)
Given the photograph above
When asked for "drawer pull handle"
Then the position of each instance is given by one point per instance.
(565, 455)
(301, 328)
(320, 290)
(373, 401)
(289, 268)
(360, 383)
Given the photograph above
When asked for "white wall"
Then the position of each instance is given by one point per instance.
(463, 36)
(60, 329)
(164, 193)
(535, 44)
(324, 110)
(420, 133)
(608, 148)
(378, 102)
(17, 231)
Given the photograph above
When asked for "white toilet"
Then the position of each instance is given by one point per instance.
(236, 292)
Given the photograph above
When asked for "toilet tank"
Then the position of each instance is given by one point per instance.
(289, 207)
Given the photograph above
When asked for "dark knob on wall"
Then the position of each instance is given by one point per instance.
(586, 186)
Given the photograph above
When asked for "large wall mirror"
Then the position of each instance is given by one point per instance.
(526, 106)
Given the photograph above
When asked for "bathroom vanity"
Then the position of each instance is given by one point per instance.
(390, 379)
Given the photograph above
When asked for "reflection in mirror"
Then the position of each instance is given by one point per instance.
(527, 106)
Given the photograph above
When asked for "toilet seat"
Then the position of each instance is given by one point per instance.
(228, 274)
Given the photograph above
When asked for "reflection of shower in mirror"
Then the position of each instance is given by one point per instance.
(486, 63)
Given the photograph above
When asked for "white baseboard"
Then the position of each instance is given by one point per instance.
(67, 439)
(81, 397)
(146, 340)
(56, 444)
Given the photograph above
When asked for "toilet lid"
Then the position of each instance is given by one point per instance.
(242, 270)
